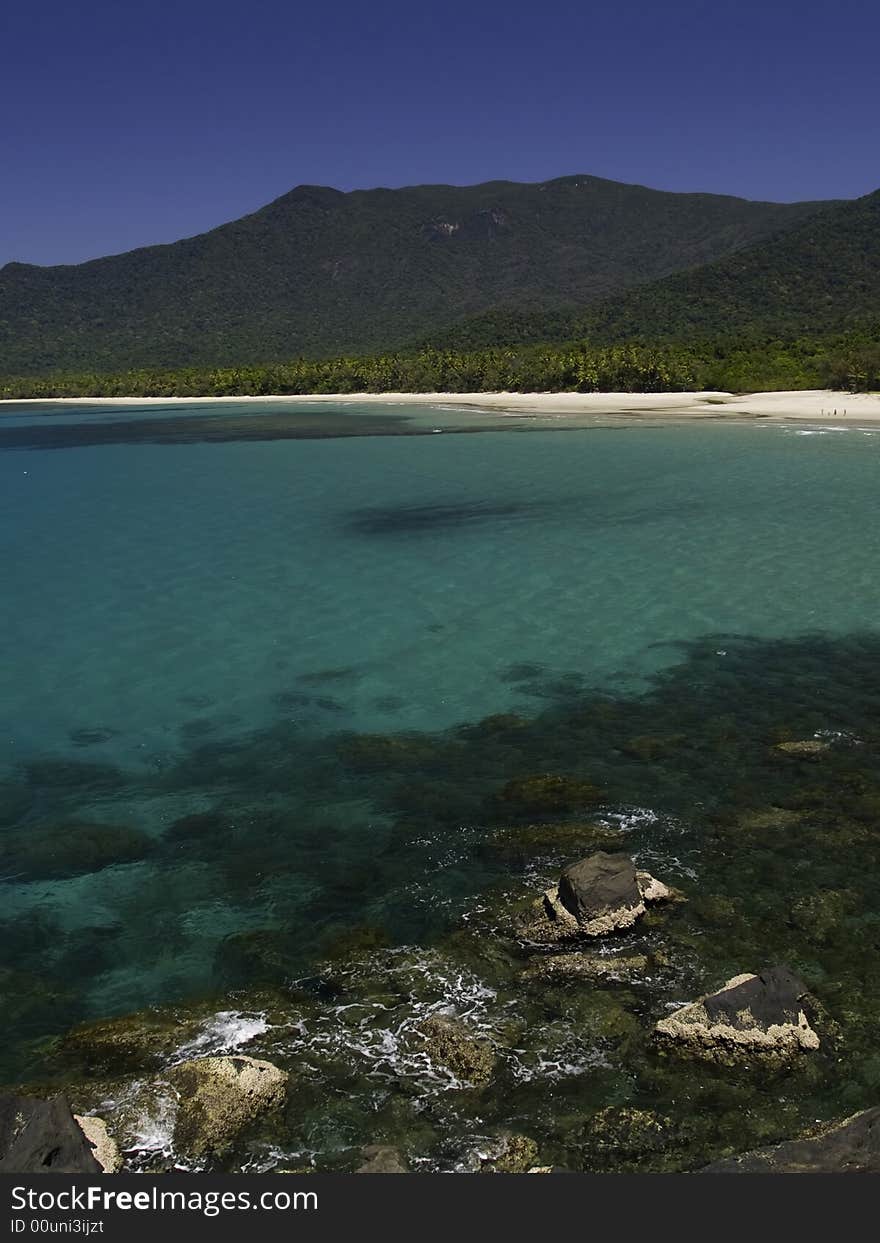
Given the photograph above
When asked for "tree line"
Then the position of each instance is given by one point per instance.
(850, 362)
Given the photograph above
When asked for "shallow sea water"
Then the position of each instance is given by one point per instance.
(243, 678)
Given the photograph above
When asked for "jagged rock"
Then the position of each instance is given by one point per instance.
(382, 1159)
(595, 896)
(219, 1097)
(848, 1147)
(761, 1016)
(582, 966)
(100, 1141)
(450, 1044)
(809, 747)
(42, 1137)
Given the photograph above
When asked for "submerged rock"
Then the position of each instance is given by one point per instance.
(820, 915)
(581, 966)
(770, 818)
(848, 1147)
(626, 1134)
(219, 1097)
(382, 1159)
(450, 1044)
(58, 851)
(805, 747)
(595, 896)
(546, 793)
(128, 1044)
(753, 1016)
(103, 1146)
(42, 1137)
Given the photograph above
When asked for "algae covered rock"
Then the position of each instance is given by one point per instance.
(517, 1154)
(804, 748)
(557, 968)
(820, 915)
(58, 851)
(450, 1044)
(127, 1044)
(626, 1134)
(848, 1147)
(219, 1098)
(753, 1016)
(546, 793)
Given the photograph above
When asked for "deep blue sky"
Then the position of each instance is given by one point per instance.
(131, 123)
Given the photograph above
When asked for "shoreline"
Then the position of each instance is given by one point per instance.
(823, 405)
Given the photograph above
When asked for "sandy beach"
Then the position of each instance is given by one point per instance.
(822, 405)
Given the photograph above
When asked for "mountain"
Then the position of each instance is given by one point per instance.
(822, 276)
(319, 272)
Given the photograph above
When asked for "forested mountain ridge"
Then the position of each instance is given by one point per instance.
(822, 276)
(320, 273)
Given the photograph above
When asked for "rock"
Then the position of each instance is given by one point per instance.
(759, 1016)
(58, 851)
(219, 1097)
(42, 1137)
(104, 1148)
(601, 892)
(581, 966)
(518, 1154)
(772, 818)
(546, 793)
(820, 915)
(598, 895)
(126, 1045)
(626, 1134)
(382, 1159)
(805, 747)
(450, 1044)
(848, 1147)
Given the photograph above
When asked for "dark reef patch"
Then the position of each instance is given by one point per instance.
(186, 429)
(432, 519)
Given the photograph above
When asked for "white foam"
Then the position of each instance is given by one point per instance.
(226, 1031)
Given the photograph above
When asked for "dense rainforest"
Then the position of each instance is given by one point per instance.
(319, 273)
(847, 361)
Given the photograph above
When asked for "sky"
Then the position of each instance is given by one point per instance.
(128, 124)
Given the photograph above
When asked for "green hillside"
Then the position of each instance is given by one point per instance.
(321, 273)
(822, 276)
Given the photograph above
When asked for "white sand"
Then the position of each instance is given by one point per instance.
(824, 405)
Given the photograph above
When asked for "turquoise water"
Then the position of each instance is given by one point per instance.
(291, 640)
